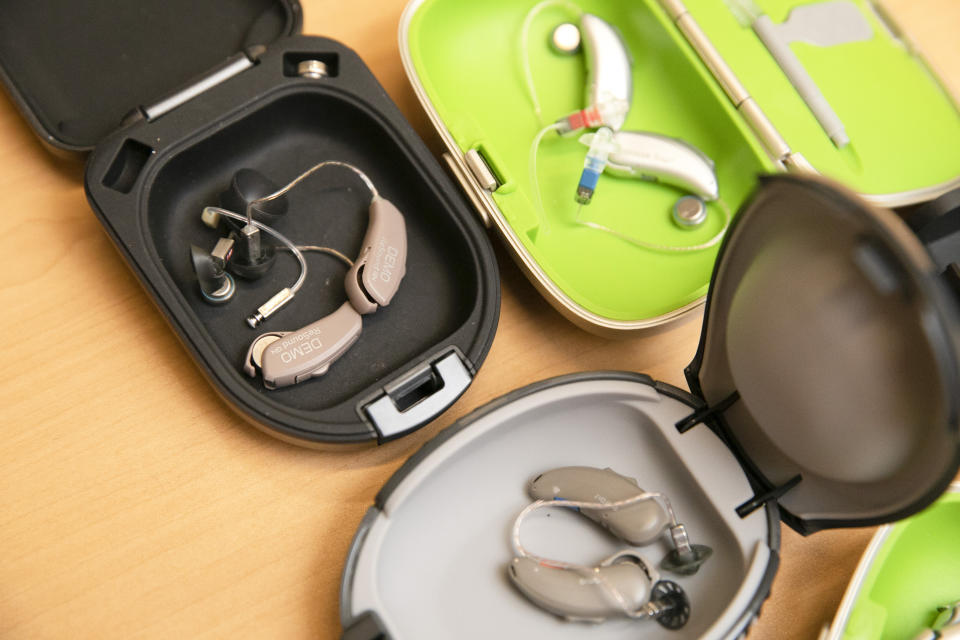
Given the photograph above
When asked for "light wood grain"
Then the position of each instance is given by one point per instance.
(134, 503)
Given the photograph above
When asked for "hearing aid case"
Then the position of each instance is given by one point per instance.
(211, 88)
(835, 404)
(908, 571)
(465, 63)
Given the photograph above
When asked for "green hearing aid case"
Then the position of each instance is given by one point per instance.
(832, 404)
(465, 63)
(170, 99)
(909, 571)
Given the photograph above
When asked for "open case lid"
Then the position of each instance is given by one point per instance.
(829, 358)
(75, 69)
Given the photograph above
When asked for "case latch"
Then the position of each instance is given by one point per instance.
(470, 183)
(480, 170)
(419, 396)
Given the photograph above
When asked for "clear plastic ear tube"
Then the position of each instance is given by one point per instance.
(286, 294)
(374, 194)
(587, 571)
(522, 552)
(525, 45)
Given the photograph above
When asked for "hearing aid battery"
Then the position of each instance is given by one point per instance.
(689, 212)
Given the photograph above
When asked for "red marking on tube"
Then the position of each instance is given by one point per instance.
(588, 118)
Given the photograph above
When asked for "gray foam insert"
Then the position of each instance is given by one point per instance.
(433, 564)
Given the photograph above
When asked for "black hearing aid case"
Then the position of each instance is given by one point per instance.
(825, 392)
(77, 70)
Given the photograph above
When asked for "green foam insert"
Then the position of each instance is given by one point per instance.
(467, 56)
(916, 570)
(904, 129)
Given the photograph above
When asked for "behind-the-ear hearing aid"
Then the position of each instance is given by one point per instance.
(609, 72)
(609, 88)
(241, 189)
(657, 158)
(639, 523)
(624, 584)
(284, 358)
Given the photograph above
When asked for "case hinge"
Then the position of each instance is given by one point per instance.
(230, 67)
(776, 493)
(704, 413)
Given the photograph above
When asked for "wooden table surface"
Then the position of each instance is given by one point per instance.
(134, 503)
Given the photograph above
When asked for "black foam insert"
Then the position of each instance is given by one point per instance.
(436, 297)
(79, 67)
(149, 182)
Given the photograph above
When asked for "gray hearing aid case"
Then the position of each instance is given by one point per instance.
(173, 100)
(825, 392)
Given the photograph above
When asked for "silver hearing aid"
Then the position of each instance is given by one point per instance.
(658, 158)
(609, 73)
(609, 88)
(640, 522)
(284, 358)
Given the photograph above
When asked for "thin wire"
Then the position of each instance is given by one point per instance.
(327, 250)
(525, 45)
(276, 234)
(303, 176)
(664, 247)
(534, 179)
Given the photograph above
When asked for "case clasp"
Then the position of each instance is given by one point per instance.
(419, 396)
(470, 186)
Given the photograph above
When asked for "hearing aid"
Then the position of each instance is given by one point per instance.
(375, 275)
(609, 73)
(216, 285)
(657, 158)
(609, 88)
(640, 523)
(622, 585)
(289, 357)
(376, 265)
(285, 358)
